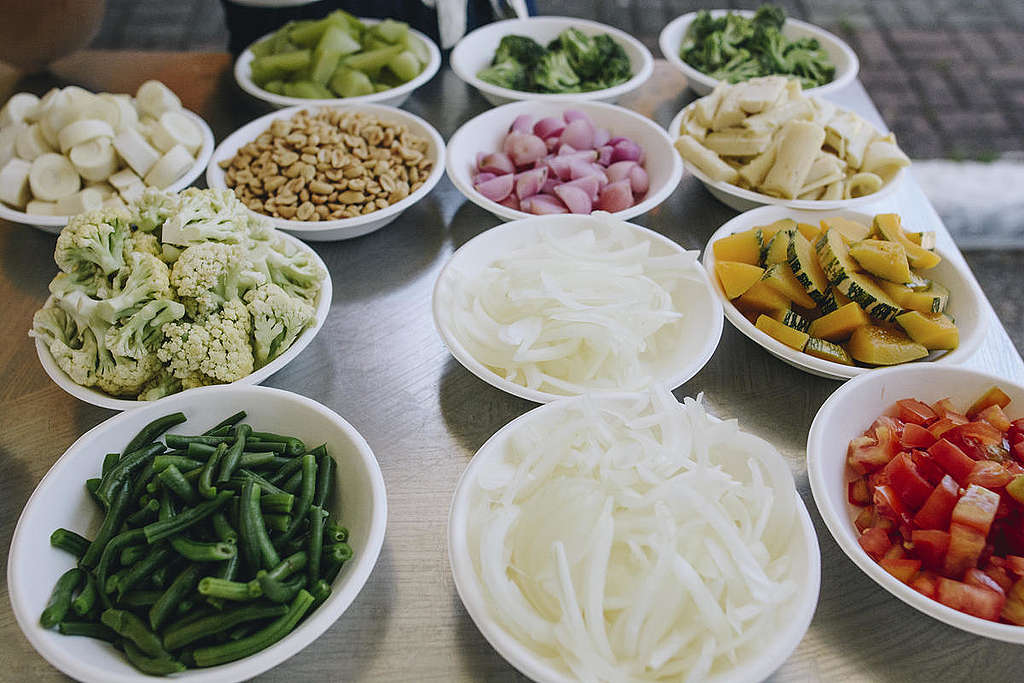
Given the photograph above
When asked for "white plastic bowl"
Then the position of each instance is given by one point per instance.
(476, 51)
(54, 224)
(393, 97)
(102, 399)
(698, 335)
(845, 59)
(60, 500)
(737, 198)
(966, 300)
(344, 228)
(485, 133)
(804, 546)
(844, 416)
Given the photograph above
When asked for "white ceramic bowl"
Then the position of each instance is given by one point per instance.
(61, 501)
(698, 335)
(966, 300)
(845, 59)
(344, 228)
(737, 198)
(804, 546)
(475, 51)
(851, 410)
(394, 96)
(54, 224)
(485, 133)
(102, 399)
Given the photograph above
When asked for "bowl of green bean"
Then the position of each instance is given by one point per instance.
(211, 536)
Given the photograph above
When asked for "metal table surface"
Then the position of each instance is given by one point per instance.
(379, 362)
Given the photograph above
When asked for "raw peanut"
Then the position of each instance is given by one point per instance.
(320, 187)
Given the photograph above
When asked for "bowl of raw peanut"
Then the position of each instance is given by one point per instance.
(330, 173)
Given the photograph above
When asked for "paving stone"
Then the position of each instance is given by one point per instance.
(873, 50)
(978, 46)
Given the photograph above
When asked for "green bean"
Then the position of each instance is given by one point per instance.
(333, 558)
(305, 495)
(339, 551)
(142, 480)
(154, 429)
(254, 525)
(183, 463)
(89, 629)
(200, 451)
(276, 522)
(286, 471)
(168, 527)
(111, 524)
(321, 590)
(185, 605)
(265, 637)
(60, 600)
(265, 485)
(92, 485)
(158, 579)
(157, 556)
(220, 431)
(316, 542)
(112, 550)
(182, 585)
(109, 460)
(127, 625)
(180, 635)
(324, 479)
(154, 666)
(206, 488)
(110, 585)
(293, 483)
(256, 459)
(277, 503)
(144, 515)
(174, 481)
(229, 462)
(86, 600)
(277, 590)
(202, 551)
(293, 446)
(140, 598)
(248, 543)
(131, 462)
(211, 586)
(335, 533)
(222, 528)
(69, 541)
(182, 441)
(133, 554)
(226, 422)
(190, 618)
(275, 463)
(289, 566)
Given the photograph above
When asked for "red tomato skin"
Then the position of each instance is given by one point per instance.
(916, 436)
(876, 448)
(1018, 451)
(979, 602)
(941, 426)
(984, 433)
(965, 547)
(999, 575)
(889, 505)
(938, 508)
(976, 577)
(866, 519)
(912, 488)
(1015, 564)
(976, 508)
(926, 583)
(1013, 609)
(927, 466)
(875, 542)
(990, 475)
(913, 411)
(930, 546)
(944, 408)
(953, 460)
(995, 416)
(903, 569)
(858, 493)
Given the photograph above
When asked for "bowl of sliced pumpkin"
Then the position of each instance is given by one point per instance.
(837, 293)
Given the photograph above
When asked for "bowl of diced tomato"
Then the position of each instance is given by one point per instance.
(918, 473)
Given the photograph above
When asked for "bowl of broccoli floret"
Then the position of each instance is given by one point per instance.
(711, 46)
(551, 58)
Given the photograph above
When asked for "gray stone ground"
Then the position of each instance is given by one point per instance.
(947, 76)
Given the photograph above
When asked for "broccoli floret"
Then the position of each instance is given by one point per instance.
(277, 320)
(507, 74)
(526, 51)
(616, 67)
(209, 274)
(554, 74)
(583, 53)
(294, 271)
(145, 278)
(161, 384)
(217, 348)
(93, 242)
(141, 334)
(740, 68)
(206, 216)
(769, 16)
(737, 29)
(809, 62)
(153, 208)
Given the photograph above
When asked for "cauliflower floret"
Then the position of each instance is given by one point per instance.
(145, 278)
(153, 208)
(204, 216)
(93, 242)
(277, 320)
(78, 363)
(141, 334)
(120, 376)
(293, 270)
(217, 347)
(161, 384)
(146, 242)
(210, 274)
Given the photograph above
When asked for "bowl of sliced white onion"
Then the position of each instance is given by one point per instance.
(628, 536)
(555, 306)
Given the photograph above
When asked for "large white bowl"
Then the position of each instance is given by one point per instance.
(740, 199)
(485, 133)
(476, 51)
(393, 96)
(845, 59)
(60, 500)
(344, 228)
(845, 416)
(698, 336)
(53, 224)
(804, 546)
(104, 400)
(966, 300)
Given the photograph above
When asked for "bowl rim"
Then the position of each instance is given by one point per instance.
(244, 79)
(469, 589)
(713, 330)
(653, 199)
(314, 626)
(99, 398)
(230, 145)
(969, 341)
(682, 24)
(817, 441)
(456, 60)
(53, 224)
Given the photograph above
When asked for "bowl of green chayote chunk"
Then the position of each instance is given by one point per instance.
(711, 46)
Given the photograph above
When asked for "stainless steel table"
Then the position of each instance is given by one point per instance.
(379, 362)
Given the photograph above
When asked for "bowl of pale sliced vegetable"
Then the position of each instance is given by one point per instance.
(631, 537)
(837, 293)
(555, 306)
(73, 151)
(338, 58)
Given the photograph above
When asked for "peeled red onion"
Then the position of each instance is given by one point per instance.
(548, 127)
(639, 182)
(625, 150)
(601, 137)
(571, 115)
(575, 198)
(542, 204)
(523, 123)
(497, 188)
(615, 196)
(528, 183)
(524, 148)
(579, 133)
(496, 163)
(589, 184)
(619, 170)
(483, 177)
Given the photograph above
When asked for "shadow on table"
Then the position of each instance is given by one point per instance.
(477, 656)
(473, 410)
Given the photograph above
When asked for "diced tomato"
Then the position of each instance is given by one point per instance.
(889, 505)
(976, 508)
(1018, 423)
(875, 542)
(965, 547)
(926, 583)
(994, 396)
(951, 459)
(930, 546)
(999, 575)
(938, 508)
(902, 569)
(944, 408)
(976, 577)
(867, 453)
(1017, 451)
(979, 602)
(857, 492)
(866, 519)
(939, 428)
(915, 412)
(928, 468)
(1013, 609)
(1015, 564)
(916, 436)
(896, 552)
(988, 474)
(907, 482)
(982, 432)
(995, 416)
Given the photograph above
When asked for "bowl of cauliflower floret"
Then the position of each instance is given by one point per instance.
(179, 290)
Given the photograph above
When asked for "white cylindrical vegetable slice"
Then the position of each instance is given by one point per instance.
(127, 116)
(20, 106)
(704, 159)
(104, 188)
(136, 152)
(798, 145)
(38, 207)
(133, 192)
(31, 142)
(100, 108)
(154, 98)
(88, 199)
(170, 167)
(60, 113)
(95, 159)
(83, 130)
(53, 177)
(8, 138)
(124, 178)
(114, 201)
(14, 187)
(175, 128)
